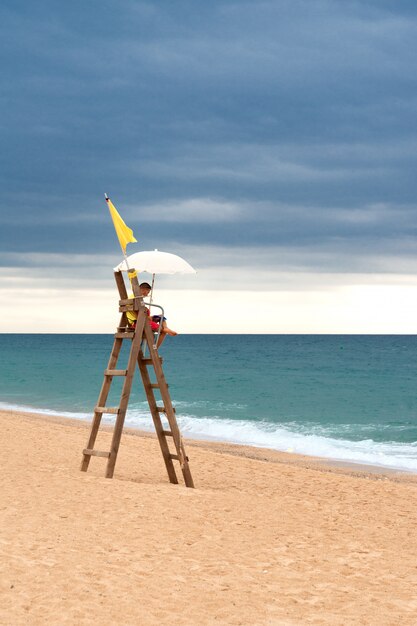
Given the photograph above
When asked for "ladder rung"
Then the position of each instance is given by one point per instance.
(115, 372)
(167, 433)
(149, 361)
(107, 409)
(161, 409)
(175, 457)
(154, 385)
(96, 453)
(122, 335)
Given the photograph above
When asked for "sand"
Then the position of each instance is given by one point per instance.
(266, 538)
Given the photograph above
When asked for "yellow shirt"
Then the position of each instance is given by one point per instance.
(132, 316)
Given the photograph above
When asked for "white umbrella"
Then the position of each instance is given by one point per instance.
(156, 262)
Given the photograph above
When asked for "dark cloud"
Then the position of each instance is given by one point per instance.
(293, 122)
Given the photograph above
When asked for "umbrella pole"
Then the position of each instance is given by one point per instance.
(162, 316)
(153, 282)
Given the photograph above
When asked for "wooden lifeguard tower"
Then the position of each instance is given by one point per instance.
(143, 341)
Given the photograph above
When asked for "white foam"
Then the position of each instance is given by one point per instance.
(265, 435)
(54, 412)
(401, 456)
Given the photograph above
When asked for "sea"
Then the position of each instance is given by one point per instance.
(350, 398)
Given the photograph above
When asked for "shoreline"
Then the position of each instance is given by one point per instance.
(270, 455)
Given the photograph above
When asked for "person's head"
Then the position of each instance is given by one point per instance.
(145, 289)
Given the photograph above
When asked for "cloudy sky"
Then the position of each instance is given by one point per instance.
(273, 144)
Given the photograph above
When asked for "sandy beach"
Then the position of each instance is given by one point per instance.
(265, 538)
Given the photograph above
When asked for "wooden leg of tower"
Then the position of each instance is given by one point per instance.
(169, 410)
(91, 440)
(104, 392)
(115, 443)
(185, 468)
(120, 419)
(157, 421)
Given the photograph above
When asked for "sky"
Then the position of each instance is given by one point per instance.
(272, 144)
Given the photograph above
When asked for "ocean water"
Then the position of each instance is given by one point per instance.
(351, 398)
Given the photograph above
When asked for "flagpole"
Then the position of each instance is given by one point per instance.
(129, 270)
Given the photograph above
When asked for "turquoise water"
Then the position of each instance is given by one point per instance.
(344, 397)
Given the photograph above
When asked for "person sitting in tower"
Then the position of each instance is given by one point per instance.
(154, 321)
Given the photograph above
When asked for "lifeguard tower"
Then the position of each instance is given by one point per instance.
(143, 343)
(143, 354)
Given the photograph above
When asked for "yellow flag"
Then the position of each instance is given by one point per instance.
(124, 233)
